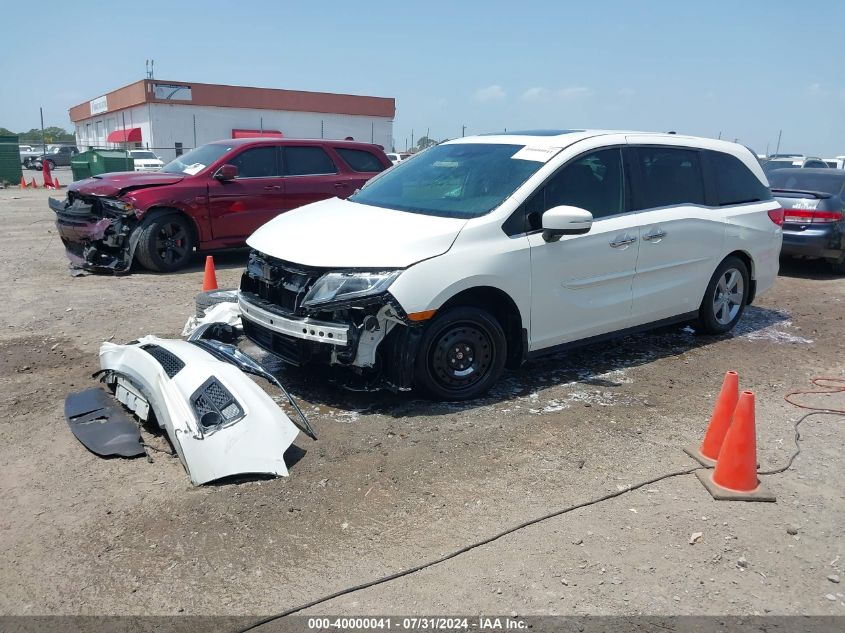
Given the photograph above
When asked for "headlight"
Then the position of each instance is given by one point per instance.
(345, 286)
(117, 205)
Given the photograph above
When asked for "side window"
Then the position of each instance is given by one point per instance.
(359, 159)
(258, 162)
(594, 182)
(815, 163)
(735, 183)
(669, 176)
(307, 161)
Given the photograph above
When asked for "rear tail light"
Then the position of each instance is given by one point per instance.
(776, 216)
(806, 216)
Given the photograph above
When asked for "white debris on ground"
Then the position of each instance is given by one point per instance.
(227, 312)
(776, 334)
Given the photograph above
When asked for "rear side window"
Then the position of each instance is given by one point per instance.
(735, 183)
(258, 162)
(359, 159)
(669, 176)
(814, 164)
(307, 161)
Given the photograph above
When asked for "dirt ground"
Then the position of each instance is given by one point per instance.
(394, 480)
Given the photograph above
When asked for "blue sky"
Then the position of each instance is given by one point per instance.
(744, 68)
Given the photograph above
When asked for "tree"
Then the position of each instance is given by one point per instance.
(425, 142)
(51, 135)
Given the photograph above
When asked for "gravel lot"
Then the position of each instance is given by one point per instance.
(394, 481)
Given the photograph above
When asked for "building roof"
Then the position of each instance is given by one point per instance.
(223, 96)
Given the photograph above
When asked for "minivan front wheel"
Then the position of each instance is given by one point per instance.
(725, 298)
(461, 355)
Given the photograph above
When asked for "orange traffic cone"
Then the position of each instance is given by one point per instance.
(23, 182)
(56, 184)
(720, 420)
(33, 183)
(735, 475)
(209, 279)
(45, 173)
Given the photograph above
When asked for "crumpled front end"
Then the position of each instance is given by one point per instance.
(96, 237)
(220, 422)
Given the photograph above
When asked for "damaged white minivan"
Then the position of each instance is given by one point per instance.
(484, 251)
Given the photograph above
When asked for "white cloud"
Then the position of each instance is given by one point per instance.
(490, 93)
(535, 94)
(570, 93)
(574, 92)
(816, 90)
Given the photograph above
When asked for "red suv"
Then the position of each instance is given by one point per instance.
(212, 197)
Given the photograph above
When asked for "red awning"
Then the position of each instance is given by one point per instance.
(256, 133)
(131, 135)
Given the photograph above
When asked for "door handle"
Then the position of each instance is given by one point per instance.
(623, 242)
(341, 185)
(657, 235)
(272, 187)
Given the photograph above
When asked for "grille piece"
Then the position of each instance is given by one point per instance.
(214, 404)
(171, 363)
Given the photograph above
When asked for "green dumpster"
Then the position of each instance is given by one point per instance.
(10, 161)
(79, 166)
(100, 161)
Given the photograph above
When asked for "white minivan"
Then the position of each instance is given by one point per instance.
(485, 251)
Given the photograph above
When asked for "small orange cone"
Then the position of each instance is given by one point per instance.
(735, 475)
(23, 182)
(209, 279)
(33, 183)
(720, 420)
(56, 184)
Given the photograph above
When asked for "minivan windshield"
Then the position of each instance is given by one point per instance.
(461, 180)
(196, 160)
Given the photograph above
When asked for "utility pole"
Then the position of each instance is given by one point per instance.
(777, 149)
(463, 131)
(412, 138)
(43, 142)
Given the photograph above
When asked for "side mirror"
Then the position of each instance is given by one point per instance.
(226, 172)
(565, 220)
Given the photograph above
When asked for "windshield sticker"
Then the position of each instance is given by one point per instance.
(445, 163)
(193, 169)
(537, 154)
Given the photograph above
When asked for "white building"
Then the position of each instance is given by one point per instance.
(170, 117)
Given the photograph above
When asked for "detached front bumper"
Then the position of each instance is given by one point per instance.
(93, 241)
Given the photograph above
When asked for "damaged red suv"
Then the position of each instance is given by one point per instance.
(213, 197)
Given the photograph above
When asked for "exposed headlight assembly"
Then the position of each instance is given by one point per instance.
(344, 286)
(117, 205)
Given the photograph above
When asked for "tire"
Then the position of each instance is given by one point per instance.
(462, 354)
(166, 244)
(38, 167)
(205, 300)
(838, 265)
(725, 298)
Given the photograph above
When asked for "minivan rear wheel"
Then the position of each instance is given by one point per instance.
(725, 298)
(462, 354)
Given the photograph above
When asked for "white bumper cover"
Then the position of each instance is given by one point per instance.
(253, 440)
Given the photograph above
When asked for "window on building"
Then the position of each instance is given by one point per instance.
(178, 148)
(258, 162)
(670, 176)
(360, 160)
(307, 161)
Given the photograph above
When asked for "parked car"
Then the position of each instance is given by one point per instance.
(484, 251)
(803, 162)
(29, 153)
(814, 207)
(393, 157)
(146, 160)
(58, 156)
(836, 163)
(210, 198)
